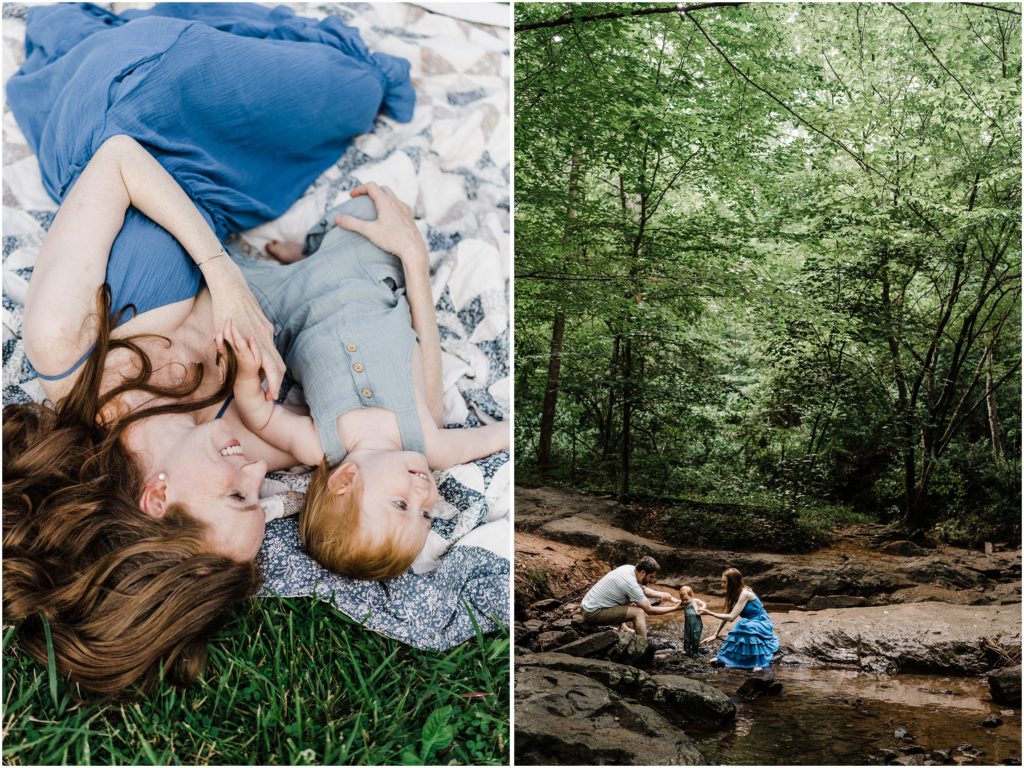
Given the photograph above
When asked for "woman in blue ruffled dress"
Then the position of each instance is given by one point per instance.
(751, 642)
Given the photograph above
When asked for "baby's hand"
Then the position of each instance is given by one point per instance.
(247, 352)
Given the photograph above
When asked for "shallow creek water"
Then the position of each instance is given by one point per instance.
(842, 717)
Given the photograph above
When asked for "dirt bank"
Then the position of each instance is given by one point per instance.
(564, 540)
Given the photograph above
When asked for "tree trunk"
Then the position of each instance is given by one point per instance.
(912, 515)
(547, 417)
(627, 416)
(915, 516)
(609, 416)
(918, 517)
(994, 427)
(572, 467)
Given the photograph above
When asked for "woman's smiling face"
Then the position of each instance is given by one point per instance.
(203, 467)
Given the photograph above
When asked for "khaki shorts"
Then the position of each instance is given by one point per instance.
(613, 615)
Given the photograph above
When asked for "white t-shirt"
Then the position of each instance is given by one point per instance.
(618, 587)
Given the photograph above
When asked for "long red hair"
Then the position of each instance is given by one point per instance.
(117, 594)
(733, 586)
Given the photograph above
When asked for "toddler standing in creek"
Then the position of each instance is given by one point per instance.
(694, 625)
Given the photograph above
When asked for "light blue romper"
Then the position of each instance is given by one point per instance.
(343, 326)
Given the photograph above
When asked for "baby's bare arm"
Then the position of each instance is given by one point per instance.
(294, 433)
(286, 431)
(448, 447)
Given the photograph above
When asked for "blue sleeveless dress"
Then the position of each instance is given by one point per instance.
(751, 642)
(244, 105)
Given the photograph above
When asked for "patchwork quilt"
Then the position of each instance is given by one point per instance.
(451, 163)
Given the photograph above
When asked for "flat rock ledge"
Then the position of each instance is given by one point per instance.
(930, 637)
(799, 579)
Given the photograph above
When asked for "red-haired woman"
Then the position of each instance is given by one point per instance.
(751, 643)
(131, 519)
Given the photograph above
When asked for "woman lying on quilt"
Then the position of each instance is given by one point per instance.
(131, 516)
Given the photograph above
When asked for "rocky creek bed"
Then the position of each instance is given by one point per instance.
(885, 657)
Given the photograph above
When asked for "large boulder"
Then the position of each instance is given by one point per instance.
(693, 699)
(555, 638)
(621, 678)
(925, 593)
(1006, 594)
(622, 647)
(631, 649)
(1005, 685)
(592, 645)
(824, 602)
(902, 548)
(677, 698)
(933, 570)
(563, 718)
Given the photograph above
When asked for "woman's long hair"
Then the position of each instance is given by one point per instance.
(124, 593)
(733, 586)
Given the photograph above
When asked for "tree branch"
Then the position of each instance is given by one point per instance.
(860, 160)
(627, 11)
(993, 8)
(945, 69)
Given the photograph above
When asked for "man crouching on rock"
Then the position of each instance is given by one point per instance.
(622, 595)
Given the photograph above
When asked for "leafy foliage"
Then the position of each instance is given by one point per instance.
(772, 249)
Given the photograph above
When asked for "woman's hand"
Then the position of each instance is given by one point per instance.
(248, 357)
(708, 640)
(394, 229)
(233, 300)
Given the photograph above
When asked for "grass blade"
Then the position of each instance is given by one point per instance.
(51, 659)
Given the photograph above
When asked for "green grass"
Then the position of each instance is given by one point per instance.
(291, 681)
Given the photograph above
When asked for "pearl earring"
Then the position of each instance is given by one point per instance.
(161, 477)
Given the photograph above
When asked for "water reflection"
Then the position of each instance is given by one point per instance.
(842, 717)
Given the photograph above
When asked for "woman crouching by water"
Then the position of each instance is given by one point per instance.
(751, 642)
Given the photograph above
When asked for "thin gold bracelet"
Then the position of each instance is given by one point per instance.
(219, 253)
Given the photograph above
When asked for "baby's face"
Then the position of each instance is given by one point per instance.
(399, 493)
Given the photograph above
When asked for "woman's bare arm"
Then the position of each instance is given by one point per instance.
(73, 259)
(424, 322)
(737, 609)
(72, 264)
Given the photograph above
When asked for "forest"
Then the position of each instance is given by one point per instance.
(767, 263)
